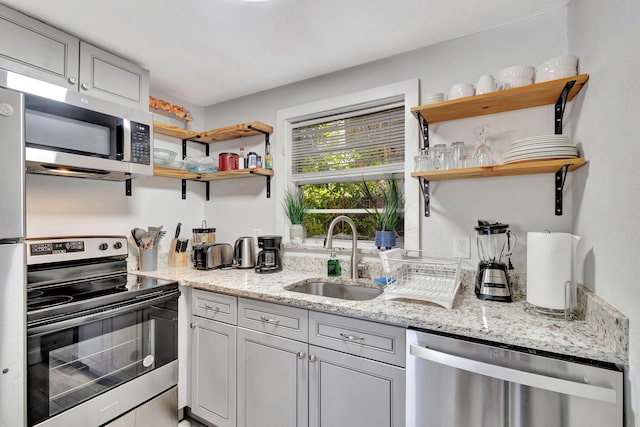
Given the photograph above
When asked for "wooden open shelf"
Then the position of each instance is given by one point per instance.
(216, 135)
(511, 169)
(241, 173)
(517, 98)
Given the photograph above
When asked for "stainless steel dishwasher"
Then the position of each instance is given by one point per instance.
(453, 382)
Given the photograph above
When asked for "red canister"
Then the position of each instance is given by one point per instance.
(227, 161)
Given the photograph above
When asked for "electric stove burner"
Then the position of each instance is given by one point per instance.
(34, 294)
(44, 302)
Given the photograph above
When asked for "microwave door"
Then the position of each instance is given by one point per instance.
(12, 180)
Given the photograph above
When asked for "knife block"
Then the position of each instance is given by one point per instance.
(176, 259)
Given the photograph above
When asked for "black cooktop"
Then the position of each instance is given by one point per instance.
(60, 299)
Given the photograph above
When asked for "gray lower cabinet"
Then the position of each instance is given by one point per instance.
(213, 359)
(35, 49)
(351, 391)
(272, 380)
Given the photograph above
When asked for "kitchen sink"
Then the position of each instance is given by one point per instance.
(338, 290)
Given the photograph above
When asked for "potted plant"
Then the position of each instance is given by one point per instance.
(386, 218)
(296, 210)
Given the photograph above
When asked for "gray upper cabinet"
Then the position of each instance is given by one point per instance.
(37, 50)
(107, 76)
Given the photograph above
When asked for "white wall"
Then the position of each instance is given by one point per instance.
(606, 213)
(527, 203)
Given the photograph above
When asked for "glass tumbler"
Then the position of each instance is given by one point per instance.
(437, 156)
(457, 152)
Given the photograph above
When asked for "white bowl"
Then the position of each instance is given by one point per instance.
(517, 73)
(461, 90)
(558, 62)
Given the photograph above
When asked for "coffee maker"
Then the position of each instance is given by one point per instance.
(269, 257)
(495, 244)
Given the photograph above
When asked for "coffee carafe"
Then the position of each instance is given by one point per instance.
(495, 245)
(269, 258)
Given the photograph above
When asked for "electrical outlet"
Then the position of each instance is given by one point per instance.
(461, 247)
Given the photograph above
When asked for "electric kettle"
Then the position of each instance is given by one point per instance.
(244, 252)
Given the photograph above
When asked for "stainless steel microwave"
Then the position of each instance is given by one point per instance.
(71, 134)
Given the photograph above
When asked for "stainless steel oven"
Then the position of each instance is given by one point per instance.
(100, 342)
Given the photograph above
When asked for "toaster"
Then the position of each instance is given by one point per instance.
(207, 256)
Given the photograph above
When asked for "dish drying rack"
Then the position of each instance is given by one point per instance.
(411, 274)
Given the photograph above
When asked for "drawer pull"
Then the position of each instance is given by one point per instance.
(301, 355)
(211, 307)
(267, 320)
(351, 337)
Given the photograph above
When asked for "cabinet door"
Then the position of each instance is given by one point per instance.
(213, 372)
(272, 381)
(107, 76)
(350, 391)
(32, 48)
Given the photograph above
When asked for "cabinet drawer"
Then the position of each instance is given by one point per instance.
(281, 320)
(222, 308)
(372, 340)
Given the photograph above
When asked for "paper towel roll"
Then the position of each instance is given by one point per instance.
(549, 267)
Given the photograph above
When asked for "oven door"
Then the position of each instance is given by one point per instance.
(79, 373)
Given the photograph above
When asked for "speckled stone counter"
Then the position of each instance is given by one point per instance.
(506, 323)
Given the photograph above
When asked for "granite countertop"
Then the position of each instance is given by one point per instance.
(506, 323)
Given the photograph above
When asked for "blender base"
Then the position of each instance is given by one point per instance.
(492, 282)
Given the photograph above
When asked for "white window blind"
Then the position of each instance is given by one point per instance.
(347, 147)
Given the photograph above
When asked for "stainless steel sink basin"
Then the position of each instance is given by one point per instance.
(335, 290)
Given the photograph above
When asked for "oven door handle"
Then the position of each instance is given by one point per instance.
(80, 319)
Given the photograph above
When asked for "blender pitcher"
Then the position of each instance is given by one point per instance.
(495, 243)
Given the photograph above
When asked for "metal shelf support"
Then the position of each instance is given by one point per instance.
(267, 149)
(424, 183)
(127, 187)
(561, 177)
(561, 103)
(184, 156)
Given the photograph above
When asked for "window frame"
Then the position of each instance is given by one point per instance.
(406, 91)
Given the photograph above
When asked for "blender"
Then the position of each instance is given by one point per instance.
(495, 243)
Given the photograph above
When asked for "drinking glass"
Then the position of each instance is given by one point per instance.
(457, 152)
(437, 156)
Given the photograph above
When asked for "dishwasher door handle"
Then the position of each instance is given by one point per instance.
(543, 382)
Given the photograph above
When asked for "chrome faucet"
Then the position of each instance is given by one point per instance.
(354, 242)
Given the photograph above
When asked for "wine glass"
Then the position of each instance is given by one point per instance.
(483, 153)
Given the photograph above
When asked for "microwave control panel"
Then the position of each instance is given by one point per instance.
(140, 143)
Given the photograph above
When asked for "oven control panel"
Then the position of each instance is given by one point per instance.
(58, 249)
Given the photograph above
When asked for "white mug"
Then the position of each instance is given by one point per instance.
(487, 84)
(461, 90)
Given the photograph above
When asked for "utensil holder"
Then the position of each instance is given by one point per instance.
(148, 259)
(176, 259)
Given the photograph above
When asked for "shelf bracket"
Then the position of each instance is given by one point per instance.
(561, 176)
(561, 103)
(424, 129)
(184, 189)
(267, 149)
(127, 187)
(424, 187)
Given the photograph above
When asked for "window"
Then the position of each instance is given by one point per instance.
(329, 147)
(332, 155)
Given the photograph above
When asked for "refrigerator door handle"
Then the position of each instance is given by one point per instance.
(543, 382)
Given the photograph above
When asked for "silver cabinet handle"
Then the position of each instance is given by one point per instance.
(85, 86)
(543, 382)
(211, 307)
(312, 358)
(351, 337)
(302, 355)
(193, 325)
(72, 80)
(268, 320)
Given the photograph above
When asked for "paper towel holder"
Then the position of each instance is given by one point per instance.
(568, 313)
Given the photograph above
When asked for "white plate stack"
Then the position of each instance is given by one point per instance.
(541, 147)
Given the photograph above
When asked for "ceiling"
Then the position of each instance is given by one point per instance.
(209, 51)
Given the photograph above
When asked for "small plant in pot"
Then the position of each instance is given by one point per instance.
(296, 210)
(385, 218)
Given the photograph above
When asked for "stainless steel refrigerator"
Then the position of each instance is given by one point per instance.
(12, 260)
